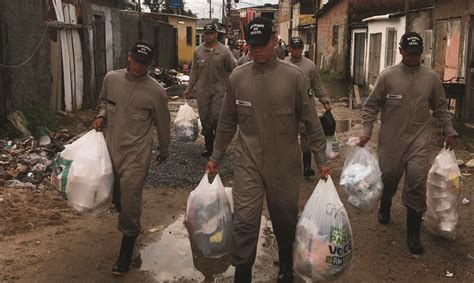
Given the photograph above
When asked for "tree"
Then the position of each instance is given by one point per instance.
(154, 5)
(189, 13)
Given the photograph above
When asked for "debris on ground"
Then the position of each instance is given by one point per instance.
(26, 163)
(470, 163)
(465, 201)
(173, 81)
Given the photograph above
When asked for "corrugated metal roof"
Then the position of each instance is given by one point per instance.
(200, 23)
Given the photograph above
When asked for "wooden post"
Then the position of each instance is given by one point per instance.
(89, 86)
(357, 95)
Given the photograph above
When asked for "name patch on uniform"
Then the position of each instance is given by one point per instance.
(394, 96)
(243, 103)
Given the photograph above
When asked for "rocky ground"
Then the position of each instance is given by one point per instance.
(43, 240)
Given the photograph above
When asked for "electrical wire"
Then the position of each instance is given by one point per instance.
(34, 53)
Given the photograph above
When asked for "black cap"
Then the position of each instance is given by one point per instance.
(142, 51)
(259, 31)
(210, 28)
(411, 42)
(296, 42)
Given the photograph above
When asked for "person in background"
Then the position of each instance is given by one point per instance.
(316, 89)
(212, 64)
(132, 103)
(280, 50)
(408, 95)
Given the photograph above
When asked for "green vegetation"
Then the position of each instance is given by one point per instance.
(328, 75)
(40, 119)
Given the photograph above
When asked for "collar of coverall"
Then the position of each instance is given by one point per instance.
(295, 60)
(408, 69)
(133, 78)
(261, 68)
(209, 49)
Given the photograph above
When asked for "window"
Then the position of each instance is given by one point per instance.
(189, 35)
(198, 39)
(335, 35)
(391, 47)
(309, 38)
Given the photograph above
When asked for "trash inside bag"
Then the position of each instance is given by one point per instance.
(209, 215)
(186, 124)
(361, 178)
(328, 123)
(83, 173)
(332, 147)
(323, 241)
(443, 195)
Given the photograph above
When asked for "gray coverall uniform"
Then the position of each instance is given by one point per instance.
(405, 95)
(243, 59)
(209, 76)
(312, 75)
(267, 109)
(131, 106)
(280, 52)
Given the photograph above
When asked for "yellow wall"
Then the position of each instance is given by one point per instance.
(185, 51)
(306, 19)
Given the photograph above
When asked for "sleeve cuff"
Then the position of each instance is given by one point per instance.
(450, 131)
(217, 155)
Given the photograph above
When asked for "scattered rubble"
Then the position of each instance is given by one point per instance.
(174, 82)
(470, 163)
(465, 201)
(26, 163)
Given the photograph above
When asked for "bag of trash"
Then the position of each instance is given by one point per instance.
(186, 124)
(323, 241)
(328, 123)
(209, 215)
(332, 147)
(83, 173)
(443, 194)
(361, 177)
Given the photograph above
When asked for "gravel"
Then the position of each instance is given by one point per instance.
(185, 166)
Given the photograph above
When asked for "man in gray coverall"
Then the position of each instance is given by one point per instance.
(316, 86)
(405, 94)
(211, 67)
(132, 102)
(267, 110)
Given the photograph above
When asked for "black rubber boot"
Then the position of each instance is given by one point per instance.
(384, 211)
(413, 231)
(209, 139)
(285, 272)
(242, 275)
(307, 171)
(122, 265)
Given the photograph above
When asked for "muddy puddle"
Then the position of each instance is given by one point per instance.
(343, 126)
(174, 258)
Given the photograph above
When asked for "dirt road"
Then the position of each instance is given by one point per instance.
(43, 240)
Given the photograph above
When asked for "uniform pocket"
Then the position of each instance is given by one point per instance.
(282, 118)
(245, 118)
(137, 122)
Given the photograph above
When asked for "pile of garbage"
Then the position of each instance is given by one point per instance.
(168, 78)
(27, 163)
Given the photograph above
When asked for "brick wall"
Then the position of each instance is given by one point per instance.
(332, 57)
(23, 28)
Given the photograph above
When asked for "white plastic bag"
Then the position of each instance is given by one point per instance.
(443, 195)
(208, 213)
(83, 173)
(361, 178)
(186, 124)
(323, 241)
(332, 147)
